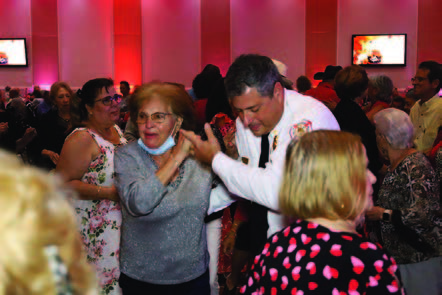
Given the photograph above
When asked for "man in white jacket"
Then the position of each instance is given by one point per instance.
(269, 118)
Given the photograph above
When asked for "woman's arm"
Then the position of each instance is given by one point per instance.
(140, 189)
(77, 153)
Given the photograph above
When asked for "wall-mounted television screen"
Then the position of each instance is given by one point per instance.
(13, 52)
(379, 50)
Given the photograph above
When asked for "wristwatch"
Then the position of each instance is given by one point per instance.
(386, 216)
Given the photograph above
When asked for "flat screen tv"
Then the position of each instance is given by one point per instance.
(379, 50)
(13, 52)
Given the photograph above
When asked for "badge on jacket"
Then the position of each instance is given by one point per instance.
(245, 160)
(275, 142)
(300, 128)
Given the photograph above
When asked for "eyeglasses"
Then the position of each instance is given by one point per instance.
(109, 99)
(418, 79)
(155, 117)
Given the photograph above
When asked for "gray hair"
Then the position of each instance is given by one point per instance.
(396, 126)
(385, 87)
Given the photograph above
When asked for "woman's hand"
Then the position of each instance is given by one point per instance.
(375, 213)
(183, 148)
(51, 155)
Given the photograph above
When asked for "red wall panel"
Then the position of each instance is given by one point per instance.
(320, 36)
(44, 26)
(215, 34)
(429, 31)
(127, 41)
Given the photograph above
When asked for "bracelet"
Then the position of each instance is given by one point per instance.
(98, 191)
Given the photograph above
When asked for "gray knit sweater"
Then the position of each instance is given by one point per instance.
(163, 236)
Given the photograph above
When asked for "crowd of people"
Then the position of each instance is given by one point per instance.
(326, 190)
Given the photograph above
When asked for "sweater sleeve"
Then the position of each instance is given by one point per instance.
(139, 188)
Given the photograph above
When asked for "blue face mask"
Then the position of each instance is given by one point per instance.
(167, 145)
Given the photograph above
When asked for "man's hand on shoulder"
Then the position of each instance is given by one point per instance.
(204, 151)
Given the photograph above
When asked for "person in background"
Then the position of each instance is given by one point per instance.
(42, 252)
(45, 106)
(321, 252)
(86, 163)
(202, 86)
(7, 89)
(124, 106)
(410, 100)
(350, 84)
(165, 198)
(55, 126)
(379, 92)
(6, 141)
(303, 84)
(408, 206)
(217, 102)
(21, 125)
(398, 102)
(325, 91)
(426, 114)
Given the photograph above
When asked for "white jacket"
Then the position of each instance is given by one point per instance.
(301, 114)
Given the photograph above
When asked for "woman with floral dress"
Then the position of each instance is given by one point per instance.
(86, 163)
(408, 205)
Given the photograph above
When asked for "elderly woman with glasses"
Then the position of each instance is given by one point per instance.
(165, 197)
(408, 205)
(87, 164)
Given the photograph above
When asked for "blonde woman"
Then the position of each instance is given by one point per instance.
(41, 251)
(327, 188)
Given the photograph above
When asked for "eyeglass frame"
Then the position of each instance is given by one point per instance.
(116, 98)
(153, 120)
(419, 79)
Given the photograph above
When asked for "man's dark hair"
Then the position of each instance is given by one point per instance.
(254, 71)
(203, 83)
(37, 94)
(8, 88)
(303, 84)
(125, 83)
(435, 71)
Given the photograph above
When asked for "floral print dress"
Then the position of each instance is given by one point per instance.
(100, 221)
(412, 188)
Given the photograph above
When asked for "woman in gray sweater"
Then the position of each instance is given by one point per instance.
(165, 197)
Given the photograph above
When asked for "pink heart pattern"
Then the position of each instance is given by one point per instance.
(307, 257)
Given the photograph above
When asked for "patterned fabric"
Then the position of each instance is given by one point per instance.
(59, 270)
(100, 221)
(439, 163)
(307, 258)
(412, 188)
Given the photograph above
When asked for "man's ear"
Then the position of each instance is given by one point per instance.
(88, 109)
(278, 92)
(435, 83)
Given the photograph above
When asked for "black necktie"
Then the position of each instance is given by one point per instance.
(265, 145)
(258, 213)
